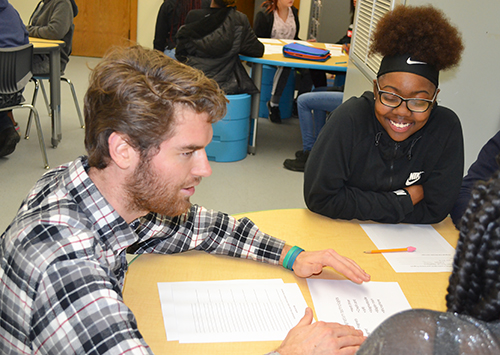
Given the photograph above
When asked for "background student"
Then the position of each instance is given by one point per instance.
(212, 40)
(277, 19)
(53, 19)
(312, 108)
(171, 16)
(12, 34)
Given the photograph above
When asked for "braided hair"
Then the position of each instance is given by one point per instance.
(474, 286)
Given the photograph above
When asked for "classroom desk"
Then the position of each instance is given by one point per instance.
(333, 64)
(298, 227)
(52, 48)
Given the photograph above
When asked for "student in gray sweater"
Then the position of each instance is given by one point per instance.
(53, 19)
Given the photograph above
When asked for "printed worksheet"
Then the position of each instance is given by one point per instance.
(361, 306)
(433, 253)
(230, 311)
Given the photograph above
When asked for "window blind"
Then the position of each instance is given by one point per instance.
(368, 13)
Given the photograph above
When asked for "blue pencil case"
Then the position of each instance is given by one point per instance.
(300, 51)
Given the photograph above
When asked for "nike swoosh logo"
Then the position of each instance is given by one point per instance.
(414, 177)
(411, 62)
(411, 181)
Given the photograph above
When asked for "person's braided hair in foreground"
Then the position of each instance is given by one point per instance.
(474, 288)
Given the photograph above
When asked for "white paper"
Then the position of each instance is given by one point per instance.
(270, 41)
(230, 311)
(168, 306)
(335, 49)
(433, 254)
(273, 49)
(361, 306)
(305, 43)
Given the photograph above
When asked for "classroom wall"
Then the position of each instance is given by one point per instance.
(25, 8)
(146, 21)
(472, 89)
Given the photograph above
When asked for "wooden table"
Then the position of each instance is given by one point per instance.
(333, 64)
(53, 49)
(298, 227)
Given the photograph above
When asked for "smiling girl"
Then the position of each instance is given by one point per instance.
(394, 155)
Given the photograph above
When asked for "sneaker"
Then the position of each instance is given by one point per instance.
(299, 153)
(298, 164)
(8, 140)
(274, 113)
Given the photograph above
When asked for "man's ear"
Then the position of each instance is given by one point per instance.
(121, 152)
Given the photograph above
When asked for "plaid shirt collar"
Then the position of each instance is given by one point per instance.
(113, 230)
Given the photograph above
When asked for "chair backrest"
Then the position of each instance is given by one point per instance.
(15, 68)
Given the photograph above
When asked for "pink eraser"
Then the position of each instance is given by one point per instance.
(410, 249)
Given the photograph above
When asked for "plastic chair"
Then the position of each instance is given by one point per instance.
(15, 73)
(38, 80)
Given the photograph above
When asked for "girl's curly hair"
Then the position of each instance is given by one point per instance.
(420, 31)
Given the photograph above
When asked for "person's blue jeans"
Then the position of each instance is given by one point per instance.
(312, 108)
(170, 53)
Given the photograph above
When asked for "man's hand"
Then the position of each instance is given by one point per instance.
(321, 338)
(310, 263)
(416, 193)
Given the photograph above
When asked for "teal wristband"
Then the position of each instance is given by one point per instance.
(287, 257)
(291, 256)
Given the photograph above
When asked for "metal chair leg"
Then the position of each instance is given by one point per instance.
(45, 98)
(75, 99)
(41, 141)
(40, 135)
(33, 102)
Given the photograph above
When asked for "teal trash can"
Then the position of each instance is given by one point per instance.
(286, 101)
(230, 138)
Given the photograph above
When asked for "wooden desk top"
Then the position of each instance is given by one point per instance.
(298, 227)
(44, 45)
(43, 40)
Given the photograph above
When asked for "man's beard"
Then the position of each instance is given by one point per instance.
(148, 192)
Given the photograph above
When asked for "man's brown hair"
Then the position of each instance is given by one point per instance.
(137, 92)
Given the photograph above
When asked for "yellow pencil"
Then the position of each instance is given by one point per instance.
(408, 249)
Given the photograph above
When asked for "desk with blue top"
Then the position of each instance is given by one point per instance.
(336, 63)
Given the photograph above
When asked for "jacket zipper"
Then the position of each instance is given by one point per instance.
(396, 147)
